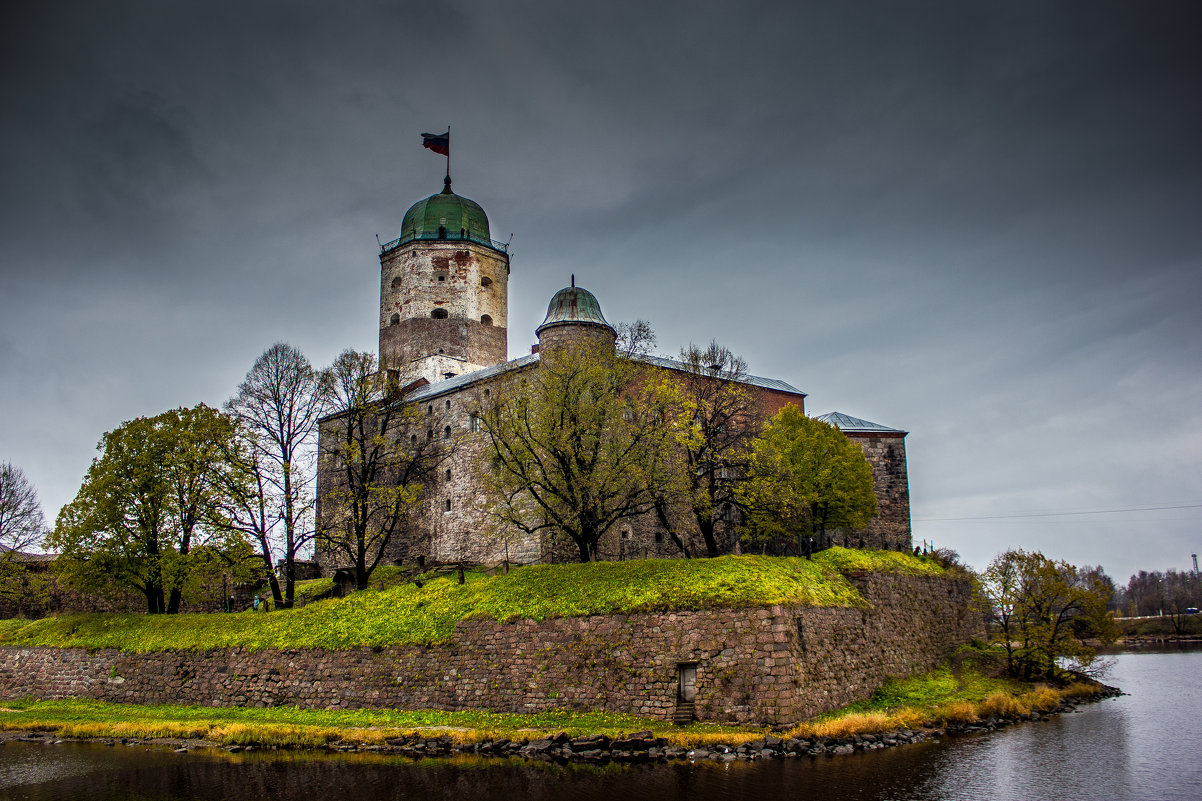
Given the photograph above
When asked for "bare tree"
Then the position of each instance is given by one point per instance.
(277, 407)
(21, 522)
(722, 419)
(21, 527)
(377, 453)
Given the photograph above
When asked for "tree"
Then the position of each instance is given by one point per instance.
(378, 454)
(277, 407)
(21, 527)
(1042, 610)
(21, 523)
(1146, 593)
(1182, 592)
(805, 477)
(721, 419)
(139, 520)
(585, 440)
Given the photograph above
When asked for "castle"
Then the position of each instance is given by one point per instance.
(444, 286)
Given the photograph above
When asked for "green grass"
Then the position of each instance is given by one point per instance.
(293, 727)
(404, 613)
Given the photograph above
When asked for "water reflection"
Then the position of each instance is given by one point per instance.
(1141, 746)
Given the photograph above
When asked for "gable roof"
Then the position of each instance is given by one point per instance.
(465, 380)
(846, 423)
(753, 380)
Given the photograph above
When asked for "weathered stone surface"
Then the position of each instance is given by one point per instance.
(618, 663)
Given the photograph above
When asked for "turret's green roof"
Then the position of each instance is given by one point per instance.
(573, 304)
(458, 217)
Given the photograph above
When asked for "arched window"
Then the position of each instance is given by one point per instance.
(439, 314)
(486, 282)
(486, 320)
(441, 277)
(448, 474)
(395, 319)
(448, 404)
(446, 433)
(430, 409)
(448, 504)
(396, 282)
(413, 439)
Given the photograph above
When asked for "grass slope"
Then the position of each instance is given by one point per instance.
(406, 614)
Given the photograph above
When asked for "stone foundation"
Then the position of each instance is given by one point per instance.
(771, 665)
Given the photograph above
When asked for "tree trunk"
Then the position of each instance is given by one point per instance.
(173, 601)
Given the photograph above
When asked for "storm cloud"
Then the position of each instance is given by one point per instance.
(978, 222)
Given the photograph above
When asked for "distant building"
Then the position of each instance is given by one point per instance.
(444, 286)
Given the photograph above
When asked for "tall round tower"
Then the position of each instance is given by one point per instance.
(444, 291)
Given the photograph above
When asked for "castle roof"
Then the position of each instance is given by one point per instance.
(459, 382)
(854, 425)
(573, 305)
(443, 216)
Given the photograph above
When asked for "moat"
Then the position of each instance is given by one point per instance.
(1144, 745)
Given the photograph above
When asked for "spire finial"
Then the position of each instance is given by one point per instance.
(446, 186)
(573, 279)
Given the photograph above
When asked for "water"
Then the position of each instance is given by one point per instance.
(1146, 745)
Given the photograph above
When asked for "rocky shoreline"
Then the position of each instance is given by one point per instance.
(639, 747)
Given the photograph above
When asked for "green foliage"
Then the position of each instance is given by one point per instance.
(1042, 610)
(408, 614)
(139, 520)
(804, 478)
(584, 441)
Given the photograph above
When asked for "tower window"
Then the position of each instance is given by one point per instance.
(448, 474)
(448, 504)
(439, 314)
(486, 320)
(486, 393)
(446, 433)
(441, 277)
(395, 319)
(430, 409)
(486, 282)
(473, 423)
(396, 282)
(448, 404)
(413, 439)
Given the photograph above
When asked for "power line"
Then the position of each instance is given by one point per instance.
(1063, 514)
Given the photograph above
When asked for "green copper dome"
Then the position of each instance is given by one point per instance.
(445, 216)
(573, 304)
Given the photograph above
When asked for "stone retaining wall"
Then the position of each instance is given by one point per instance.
(768, 665)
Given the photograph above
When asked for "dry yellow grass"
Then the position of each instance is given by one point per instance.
(1002, 705)
(1041, 699)
(959, 712)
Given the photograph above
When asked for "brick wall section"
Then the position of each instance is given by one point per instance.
(768, 665)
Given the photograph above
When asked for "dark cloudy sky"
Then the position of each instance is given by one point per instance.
(979, 222)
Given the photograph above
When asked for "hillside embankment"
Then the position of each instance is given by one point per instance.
(764, 641)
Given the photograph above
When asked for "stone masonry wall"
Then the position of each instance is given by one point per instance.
(886, 453)
(769, 665)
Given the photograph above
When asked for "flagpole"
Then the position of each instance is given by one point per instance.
(448, 154)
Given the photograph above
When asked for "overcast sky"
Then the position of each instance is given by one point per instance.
(978, 222)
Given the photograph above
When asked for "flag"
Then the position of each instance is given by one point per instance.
(439, 143)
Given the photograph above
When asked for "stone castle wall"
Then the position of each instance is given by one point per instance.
(770, 665)
(886, 453)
